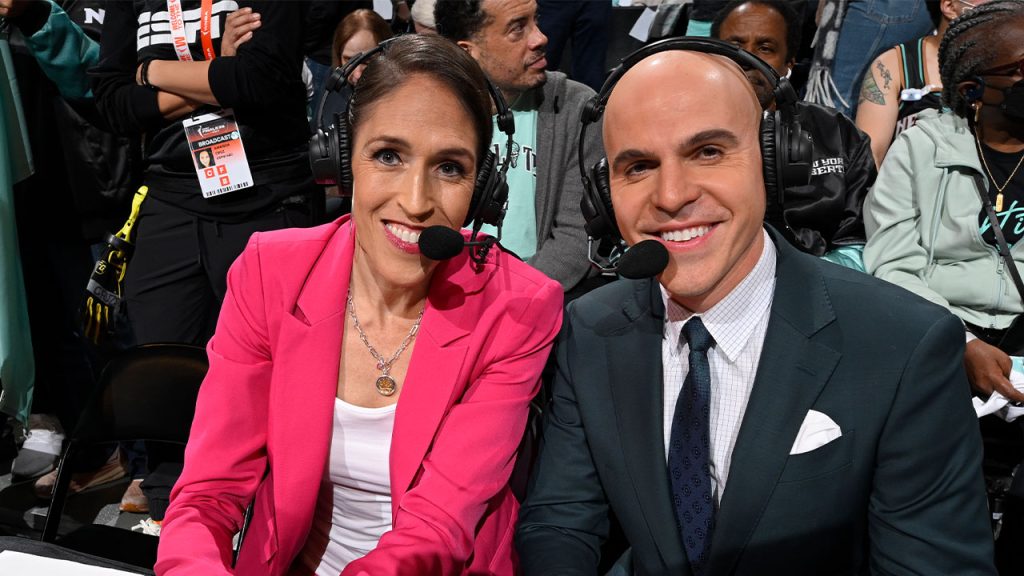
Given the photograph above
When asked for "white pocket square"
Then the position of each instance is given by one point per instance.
(816, 431)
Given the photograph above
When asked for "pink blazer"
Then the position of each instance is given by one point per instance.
(266, 407)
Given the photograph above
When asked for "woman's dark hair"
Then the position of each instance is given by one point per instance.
(789, 15)
(459, 19)
(355, 22)
(437, 59)
(970, 46)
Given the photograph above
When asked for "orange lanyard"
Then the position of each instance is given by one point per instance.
(176, 19)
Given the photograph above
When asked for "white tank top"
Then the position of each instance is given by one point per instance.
(353, 508)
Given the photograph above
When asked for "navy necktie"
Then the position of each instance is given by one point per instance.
(689, 453)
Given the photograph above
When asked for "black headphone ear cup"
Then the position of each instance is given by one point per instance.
(597, 208)
(487, 205)
(343, 155)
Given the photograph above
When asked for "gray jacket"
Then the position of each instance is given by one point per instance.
(561, 240)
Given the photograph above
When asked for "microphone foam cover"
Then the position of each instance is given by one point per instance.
(440, 243)
(644, 260)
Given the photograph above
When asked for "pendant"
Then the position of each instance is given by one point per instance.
(386, 385)
(999, 202)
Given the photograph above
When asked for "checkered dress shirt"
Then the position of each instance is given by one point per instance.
(738, 324)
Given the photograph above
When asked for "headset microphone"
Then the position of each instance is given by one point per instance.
(642, 260)
(443, 243)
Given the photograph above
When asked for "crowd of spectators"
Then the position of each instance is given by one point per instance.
(210, 108)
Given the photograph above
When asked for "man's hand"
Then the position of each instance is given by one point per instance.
(13, 8)
(237, 31)
(988, 370)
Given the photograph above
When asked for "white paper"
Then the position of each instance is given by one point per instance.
(642, 27)
(21, 564)
(384, 8)
(997, 403)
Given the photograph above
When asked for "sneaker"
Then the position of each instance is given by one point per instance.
(148, 526)
(134, 500)
(42, 447)
(112, 470)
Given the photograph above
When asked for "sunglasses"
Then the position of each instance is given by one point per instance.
(1011, 69)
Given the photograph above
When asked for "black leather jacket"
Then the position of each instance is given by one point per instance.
(827, 212)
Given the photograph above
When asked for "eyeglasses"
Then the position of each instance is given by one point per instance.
(1011, 69)
(967, 4)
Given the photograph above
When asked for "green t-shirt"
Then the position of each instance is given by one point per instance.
(519, 232)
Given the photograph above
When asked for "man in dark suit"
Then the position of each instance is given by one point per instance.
(755, 410)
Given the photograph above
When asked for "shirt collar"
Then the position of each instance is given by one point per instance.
(732, 320)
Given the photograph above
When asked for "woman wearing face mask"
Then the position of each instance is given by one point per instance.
(927, 229)
(930, 232)
(370, 401)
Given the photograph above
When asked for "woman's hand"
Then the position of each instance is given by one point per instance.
(988, 370)
(238, 30)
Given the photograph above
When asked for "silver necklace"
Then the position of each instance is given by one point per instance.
(386, 385)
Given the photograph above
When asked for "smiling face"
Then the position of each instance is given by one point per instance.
(413, 166)
(760, 30)
(204, 158)
(685, 170)
(510, 46)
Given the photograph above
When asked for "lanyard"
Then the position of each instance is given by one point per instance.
(176, 19)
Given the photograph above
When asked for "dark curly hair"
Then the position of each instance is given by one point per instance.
(459, 19)
(783, 7)
(967, 48)
(436, 58)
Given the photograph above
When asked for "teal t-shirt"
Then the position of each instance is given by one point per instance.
(519, 232)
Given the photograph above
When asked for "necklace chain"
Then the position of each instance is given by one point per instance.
(981, 152)
(383, 365)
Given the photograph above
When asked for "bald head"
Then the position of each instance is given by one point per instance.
(678, 79)
(681, 130)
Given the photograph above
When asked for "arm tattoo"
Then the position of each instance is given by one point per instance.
(869, 91)
(886, 76)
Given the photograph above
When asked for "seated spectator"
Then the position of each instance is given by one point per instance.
(398, 461)
(544, 225)
(358, 32)
(825, 214)
(907, 82)
(929, 227)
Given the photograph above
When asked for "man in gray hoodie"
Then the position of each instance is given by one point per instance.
(544, 225)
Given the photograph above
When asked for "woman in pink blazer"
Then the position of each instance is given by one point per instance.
(369, 401)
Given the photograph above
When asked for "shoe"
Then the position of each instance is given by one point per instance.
(148, 526)
(134, 500)
(42, 447)
(112, 469)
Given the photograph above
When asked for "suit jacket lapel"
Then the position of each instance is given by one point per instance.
(633, 346)
(791, 374)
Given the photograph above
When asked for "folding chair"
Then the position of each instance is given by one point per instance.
(145, 393)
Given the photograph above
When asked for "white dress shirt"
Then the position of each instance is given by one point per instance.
(738, 324)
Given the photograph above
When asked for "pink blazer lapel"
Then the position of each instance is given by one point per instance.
(306, 360)
(437, 374)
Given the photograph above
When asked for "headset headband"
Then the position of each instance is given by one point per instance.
(339, 78)
(785, 95)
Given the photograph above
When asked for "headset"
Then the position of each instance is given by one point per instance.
(330, 148)
(786, 148)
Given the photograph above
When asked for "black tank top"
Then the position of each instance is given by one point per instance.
(912, 61)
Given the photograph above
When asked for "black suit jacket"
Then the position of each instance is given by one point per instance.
(900, 492)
